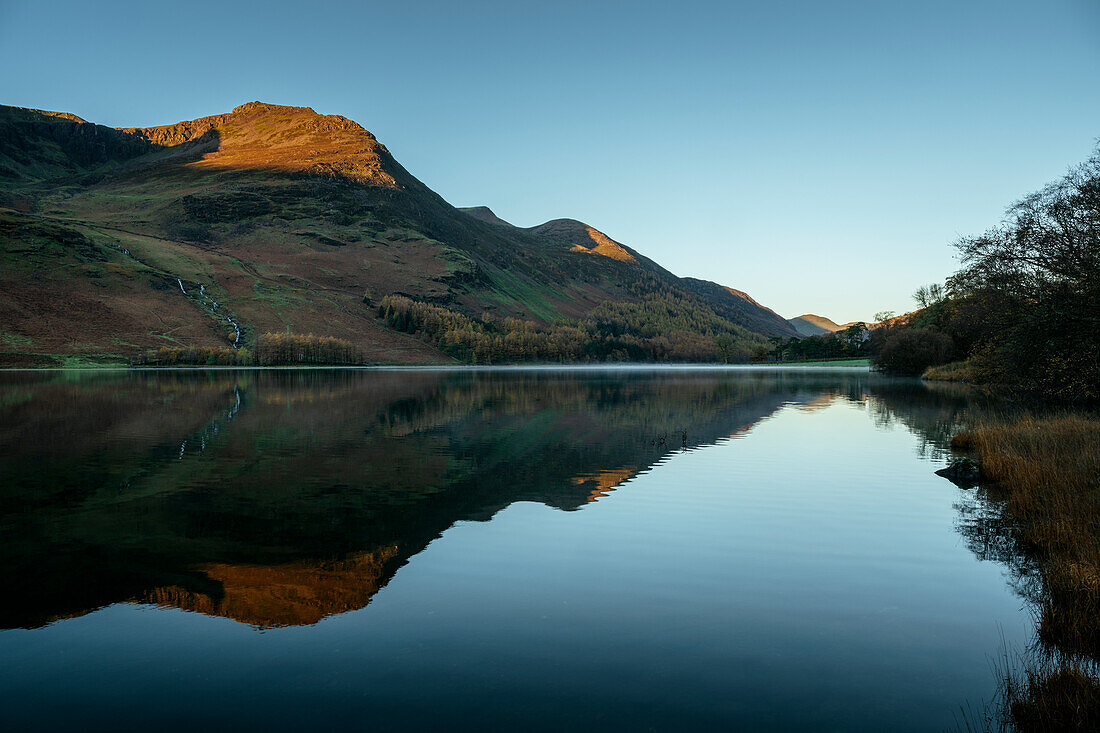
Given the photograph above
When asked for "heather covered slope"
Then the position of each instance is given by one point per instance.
(270, 218)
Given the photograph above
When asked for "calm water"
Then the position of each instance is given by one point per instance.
(510, 550)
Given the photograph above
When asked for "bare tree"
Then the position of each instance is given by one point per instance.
(928, 295)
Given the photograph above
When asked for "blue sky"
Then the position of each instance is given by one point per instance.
(820, 155)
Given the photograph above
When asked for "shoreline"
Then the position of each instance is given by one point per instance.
(462, 367)
(1041, 475)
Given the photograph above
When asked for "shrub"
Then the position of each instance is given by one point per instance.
(912, 350)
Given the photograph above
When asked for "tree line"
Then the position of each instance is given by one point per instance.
(193, 356)
(662, 326)
(285, 348)
(1024, 310)
(270, 349)
(850, 343)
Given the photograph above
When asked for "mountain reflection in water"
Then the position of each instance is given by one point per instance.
(760, 548)
(280, 497)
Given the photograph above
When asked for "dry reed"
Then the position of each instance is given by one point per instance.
(1047, 472)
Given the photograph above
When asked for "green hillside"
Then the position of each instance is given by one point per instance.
(211, 232)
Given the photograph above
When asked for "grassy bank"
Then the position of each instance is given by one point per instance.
(1047, 476)
(956, 371)
(24, 360)
(274, 349)
(823, 362)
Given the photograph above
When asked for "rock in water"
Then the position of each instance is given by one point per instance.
(963, 472)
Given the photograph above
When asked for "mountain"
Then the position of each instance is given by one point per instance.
(269, 218)
(484, 213)
(811, 325)
(586, 239)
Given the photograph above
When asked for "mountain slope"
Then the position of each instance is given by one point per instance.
(272, 218)
(36, 145)
(582, 238)
(811, 325)
(739, 307)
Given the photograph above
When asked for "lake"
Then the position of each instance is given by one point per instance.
(501, 549)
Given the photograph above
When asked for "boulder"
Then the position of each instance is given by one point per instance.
(962, 471)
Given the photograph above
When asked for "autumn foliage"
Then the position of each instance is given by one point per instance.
(193, 356)
(273, 349)
(662, 327)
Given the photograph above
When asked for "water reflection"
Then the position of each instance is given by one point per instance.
(281, 497)
(801, 571)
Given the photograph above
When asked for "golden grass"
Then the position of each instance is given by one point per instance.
(956, 371)
(1047, 471)
(605, 246)
(1066, 699)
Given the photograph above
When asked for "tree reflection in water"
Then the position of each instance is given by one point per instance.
(281, 497)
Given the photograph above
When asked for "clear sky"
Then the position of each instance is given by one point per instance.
(820, 155)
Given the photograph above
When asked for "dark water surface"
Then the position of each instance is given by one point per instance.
(501, 550)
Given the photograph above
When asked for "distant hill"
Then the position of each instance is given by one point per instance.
(272, 218)
(811, 325)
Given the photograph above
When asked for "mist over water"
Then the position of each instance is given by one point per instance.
(516, 549)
